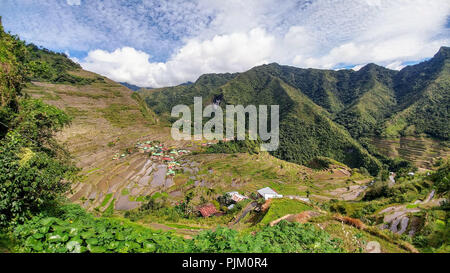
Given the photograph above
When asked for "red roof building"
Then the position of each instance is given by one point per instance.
(207, 210)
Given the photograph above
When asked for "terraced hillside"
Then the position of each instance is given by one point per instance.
(107, 119)
(420, 150)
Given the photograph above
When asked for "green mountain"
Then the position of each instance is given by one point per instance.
(358, 100)
(306, 129)
(423, 98)
(325, 112)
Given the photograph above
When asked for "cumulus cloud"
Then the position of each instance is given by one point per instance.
(222, 53)
(154, 43)
(327, 35)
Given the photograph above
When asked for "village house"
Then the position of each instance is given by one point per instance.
(268, 193)
(236, 197)
(207, 210)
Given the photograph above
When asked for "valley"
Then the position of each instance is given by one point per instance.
(129, 187)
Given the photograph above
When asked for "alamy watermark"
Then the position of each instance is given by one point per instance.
(213, 129)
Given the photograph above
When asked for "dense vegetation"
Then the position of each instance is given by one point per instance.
(45, 65)
(235, 146)
(72, 230)
(35, 169)
(441, 178)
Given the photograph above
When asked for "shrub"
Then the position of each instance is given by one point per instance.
(29, 181)
(441, 178)
(75, 231)
(377, 190)
(282, 238)
(72, 230)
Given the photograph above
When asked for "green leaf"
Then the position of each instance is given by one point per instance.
(47, 222)
(38, 235)
(54, 238)
(73, 247)
(113, 245)
(96, 249)
(87, 234)
(92, 241)
(149, 247)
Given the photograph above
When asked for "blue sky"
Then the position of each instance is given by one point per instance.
(160, 43)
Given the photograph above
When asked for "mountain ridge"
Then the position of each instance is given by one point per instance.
(342, 92)
(371, 102)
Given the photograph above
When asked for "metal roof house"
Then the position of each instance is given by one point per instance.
(236, 197)
(268, 193)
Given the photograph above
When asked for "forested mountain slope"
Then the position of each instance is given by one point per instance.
(423, 96)
(371, 102)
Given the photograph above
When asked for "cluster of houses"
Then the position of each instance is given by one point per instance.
(209, 209)
(158, 153)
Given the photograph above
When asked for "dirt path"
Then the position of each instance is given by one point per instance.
(244, 212)
(429, 197)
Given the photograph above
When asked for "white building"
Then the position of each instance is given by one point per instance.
(268, 193)
(236, 197)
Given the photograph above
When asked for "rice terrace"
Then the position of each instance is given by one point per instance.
(224, 127)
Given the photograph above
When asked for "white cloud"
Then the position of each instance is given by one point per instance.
(73, 2)
(319, 34)
(222, 53)
(396, 65)
(358, 67)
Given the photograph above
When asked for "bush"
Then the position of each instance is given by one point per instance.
(235, 146)
(30, 180)
(441, 178)
(378, 190)
(283, 238)
(75, 231)
(72, 230)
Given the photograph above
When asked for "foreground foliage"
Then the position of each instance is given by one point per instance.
(30, 180)
(35, 170)
(73, 230)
